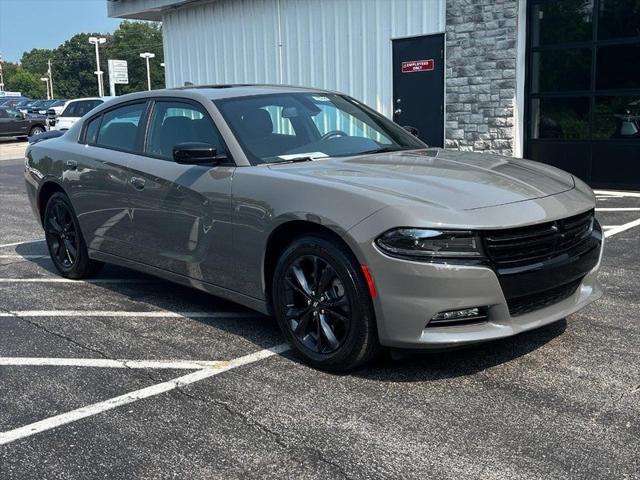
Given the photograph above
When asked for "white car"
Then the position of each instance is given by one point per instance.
(73, 111)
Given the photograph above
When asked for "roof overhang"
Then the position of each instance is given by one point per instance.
(144, 9)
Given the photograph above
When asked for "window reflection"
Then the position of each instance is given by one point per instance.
(618, 66)
(618, 19)
(561, 70)
(560, 118)
(562, 21)
(617, 117)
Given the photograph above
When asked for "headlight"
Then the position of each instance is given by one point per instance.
(427, 244)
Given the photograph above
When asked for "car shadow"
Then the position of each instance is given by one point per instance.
(263, 331)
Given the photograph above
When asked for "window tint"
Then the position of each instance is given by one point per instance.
(618, 67)
(566, 118)
(92, 130)
(81, 108)
(561, 70)
(176, 122)
(119, 128)
(618, 18)
(3, 113)
(561, 21)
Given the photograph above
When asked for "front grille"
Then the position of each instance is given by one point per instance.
(522, 246)
(536, 301)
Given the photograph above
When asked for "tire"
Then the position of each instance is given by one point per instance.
(64, 239)
(35, 130)
(328, 317)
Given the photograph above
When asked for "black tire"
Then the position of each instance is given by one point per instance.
(36, 129)
(315, 323)
(64, 239)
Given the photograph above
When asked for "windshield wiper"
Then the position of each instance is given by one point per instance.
(292, 160)
(383, 150)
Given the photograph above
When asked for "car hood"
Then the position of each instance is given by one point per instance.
(440, 178)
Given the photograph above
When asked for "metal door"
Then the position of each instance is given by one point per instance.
(418, 86)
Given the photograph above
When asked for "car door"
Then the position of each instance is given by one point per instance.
(181, 214)
(5, 125)
(98, 176)
(13, 123)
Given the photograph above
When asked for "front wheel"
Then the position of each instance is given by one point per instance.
(322, 304)
(64, 239)
(36, 131)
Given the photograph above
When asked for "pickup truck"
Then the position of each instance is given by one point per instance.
(14, 123)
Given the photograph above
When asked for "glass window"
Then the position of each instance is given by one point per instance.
(119, 128)
(617, 117)
(618, 66)
(560, 118)
(3, 113)
(561, 70)
(173, 123)
(618, 18)
(81, 108)
(92, 131)
(562, 21)
(313, 125)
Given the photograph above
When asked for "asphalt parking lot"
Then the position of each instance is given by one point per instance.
(127, 376)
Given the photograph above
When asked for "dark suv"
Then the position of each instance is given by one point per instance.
(14, 123)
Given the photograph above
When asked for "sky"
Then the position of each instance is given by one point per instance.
(27, 24)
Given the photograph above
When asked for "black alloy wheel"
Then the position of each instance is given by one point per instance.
(318, 308)
(323, 305)
(64, 239)
(61, 234)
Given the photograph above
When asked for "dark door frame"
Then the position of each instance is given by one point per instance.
(444, 76)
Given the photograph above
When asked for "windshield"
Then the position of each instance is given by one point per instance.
(284, 127)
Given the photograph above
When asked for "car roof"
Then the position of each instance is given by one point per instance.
(247, 89)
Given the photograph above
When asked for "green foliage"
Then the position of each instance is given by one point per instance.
(74, 62)
(17, 79)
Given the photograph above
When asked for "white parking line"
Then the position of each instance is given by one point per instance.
(618, 209)
(26, 257)
(107, 363)
(15, 244)
(621, 228)
(84, 412)
(116, 313)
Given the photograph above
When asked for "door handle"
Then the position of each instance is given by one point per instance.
(137, 182)
(397, 111)
(72, 164)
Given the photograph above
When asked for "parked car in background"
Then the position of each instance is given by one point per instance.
(13, 102)
(42, 108)
(72, 111)
(34, 104)
(311, 206)
(14, 123)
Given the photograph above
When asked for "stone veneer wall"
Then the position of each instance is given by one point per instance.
(481, 74)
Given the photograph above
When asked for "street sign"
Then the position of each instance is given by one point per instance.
(118, 72)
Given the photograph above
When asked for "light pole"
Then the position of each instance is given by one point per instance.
(147, 56)
(98, 41)
(46, 80)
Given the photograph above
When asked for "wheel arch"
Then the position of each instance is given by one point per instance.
(45, 192)
(284, 234)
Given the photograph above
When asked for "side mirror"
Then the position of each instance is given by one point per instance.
(412, 130)
(196, 153)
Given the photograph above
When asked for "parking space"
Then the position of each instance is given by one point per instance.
(128, 376)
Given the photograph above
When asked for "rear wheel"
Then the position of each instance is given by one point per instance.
(64, 239)
(322, 304)
(36, 130)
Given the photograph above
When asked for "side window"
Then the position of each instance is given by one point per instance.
(281, 124)
(119, 128)
(176, 122)
(92, 131)
(3, 113)
(330, 119)
(70, 110)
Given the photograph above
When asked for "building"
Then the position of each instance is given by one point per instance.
(553, 80)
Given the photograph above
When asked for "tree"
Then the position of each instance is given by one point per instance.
(73, 67)
(130, 40)
(21, 80)
(36, 60)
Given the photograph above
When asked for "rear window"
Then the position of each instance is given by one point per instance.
(119, 127)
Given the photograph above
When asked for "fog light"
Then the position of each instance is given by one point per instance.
(459, 317)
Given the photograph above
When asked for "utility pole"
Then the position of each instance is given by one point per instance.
(50, 78)
(147, 56)
(1, 76)
(98, 41)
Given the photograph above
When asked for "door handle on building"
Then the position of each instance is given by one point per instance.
(397, 111)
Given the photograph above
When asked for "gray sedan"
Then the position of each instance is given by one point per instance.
(310, 206)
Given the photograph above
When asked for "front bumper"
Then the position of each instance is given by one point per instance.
(410, 293)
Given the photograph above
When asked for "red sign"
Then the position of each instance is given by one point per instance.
(418, 66)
